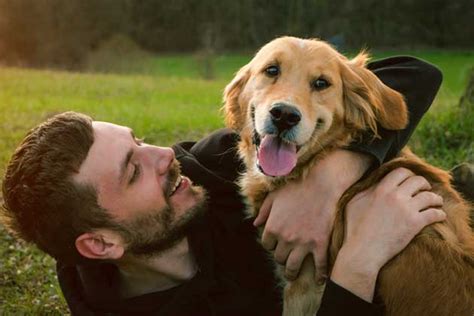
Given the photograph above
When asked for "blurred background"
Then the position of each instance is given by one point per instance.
(161, 66)
(58, 33)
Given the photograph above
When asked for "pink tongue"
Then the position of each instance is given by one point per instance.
(276, 158)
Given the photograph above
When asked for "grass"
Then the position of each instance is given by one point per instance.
(164, 99)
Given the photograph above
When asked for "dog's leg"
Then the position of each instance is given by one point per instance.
(302, 297)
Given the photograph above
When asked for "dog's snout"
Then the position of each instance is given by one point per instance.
(285, 116)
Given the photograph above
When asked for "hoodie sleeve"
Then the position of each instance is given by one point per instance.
(338, 301)
(418, 81)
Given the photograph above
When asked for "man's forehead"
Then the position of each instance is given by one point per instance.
(107, 126)
(111, 143)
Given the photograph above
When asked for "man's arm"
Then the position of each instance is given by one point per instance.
(294, 228)
(380, 222)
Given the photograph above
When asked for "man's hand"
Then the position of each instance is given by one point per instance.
(300, 216)
(380, 222)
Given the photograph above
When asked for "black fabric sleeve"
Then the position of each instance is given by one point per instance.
(217, 152)
(419, 82)
(339, 301)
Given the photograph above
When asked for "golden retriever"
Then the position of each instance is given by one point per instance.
(297, 100)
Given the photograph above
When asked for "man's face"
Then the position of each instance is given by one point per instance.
(141, 187)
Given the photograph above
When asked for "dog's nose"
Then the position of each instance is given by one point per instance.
(285, 116)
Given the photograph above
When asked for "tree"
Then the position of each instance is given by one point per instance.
(467, 100)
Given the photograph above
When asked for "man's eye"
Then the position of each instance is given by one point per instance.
(135, 175)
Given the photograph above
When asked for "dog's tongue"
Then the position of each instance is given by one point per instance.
(276, 158)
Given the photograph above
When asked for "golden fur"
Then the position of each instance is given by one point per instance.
(434, 275)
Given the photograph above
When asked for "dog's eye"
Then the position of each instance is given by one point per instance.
(320, 84)
(272, 71)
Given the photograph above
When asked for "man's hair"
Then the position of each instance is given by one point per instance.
(42, 203)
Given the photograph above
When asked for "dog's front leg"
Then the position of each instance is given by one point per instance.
(302, 297)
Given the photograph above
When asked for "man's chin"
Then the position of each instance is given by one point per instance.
(174, 231)
(194, 210)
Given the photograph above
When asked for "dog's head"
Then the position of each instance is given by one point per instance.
(295, 95)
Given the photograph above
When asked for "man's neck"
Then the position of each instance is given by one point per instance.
(166, 270)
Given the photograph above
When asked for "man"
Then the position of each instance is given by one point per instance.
(132, 236)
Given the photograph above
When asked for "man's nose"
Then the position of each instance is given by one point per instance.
(164, 159)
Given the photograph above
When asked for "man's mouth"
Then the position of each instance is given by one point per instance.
(275, 156)
(176, 185)
(175, 180)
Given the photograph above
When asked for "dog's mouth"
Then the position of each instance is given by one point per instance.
(275, 156)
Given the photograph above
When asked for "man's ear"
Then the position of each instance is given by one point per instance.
(368, 100)
(234, 112)
(103, 244)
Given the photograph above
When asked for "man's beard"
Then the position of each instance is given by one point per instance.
(157, 231)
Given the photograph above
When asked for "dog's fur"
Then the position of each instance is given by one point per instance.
(434, 275)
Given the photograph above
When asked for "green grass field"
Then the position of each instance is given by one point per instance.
(164, 99)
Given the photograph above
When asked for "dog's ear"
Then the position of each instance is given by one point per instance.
(368, 101)
(234, 112)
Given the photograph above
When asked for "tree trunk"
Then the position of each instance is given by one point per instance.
(467, 100)
(463, 174)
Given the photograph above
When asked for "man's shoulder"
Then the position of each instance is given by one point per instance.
(215, 153)
(217, 143)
